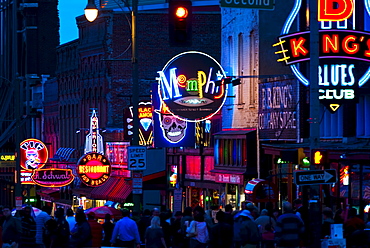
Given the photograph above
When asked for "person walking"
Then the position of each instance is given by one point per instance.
(28, 239)
(70, 218)
(62, 231)
(96, 230)
(154, 236)
(265, 219)
(125, 232)
(81, 233)
(221, 235)
(177, 237)
(352, 226)
(12, 229)
(41, 220)
(198, 232)
(246, 231)
(327, 220)
(186, 219)
(144, 222)
(289, 228)
(108, 227)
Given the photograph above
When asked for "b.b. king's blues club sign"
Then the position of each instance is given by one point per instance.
(344, 50)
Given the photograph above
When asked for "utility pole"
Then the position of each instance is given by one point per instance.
(314, 197)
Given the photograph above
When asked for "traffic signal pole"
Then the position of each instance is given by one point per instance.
(314, 191)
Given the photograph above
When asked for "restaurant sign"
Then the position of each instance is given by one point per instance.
(52, 177)
(93, 169)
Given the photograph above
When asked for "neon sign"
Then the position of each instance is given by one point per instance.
(33, 154)
(94, 141)
(93, 169)
(52, 177)
(342, 51)
(146, 123)
(187, 86)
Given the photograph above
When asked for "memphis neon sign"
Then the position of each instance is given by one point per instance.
(187, 86)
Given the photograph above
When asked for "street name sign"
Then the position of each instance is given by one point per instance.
(315, 177)
(249, 4)
(136, 157)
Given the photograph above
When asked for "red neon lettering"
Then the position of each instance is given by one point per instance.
(346, 46)
(297, 47)
(367, 52)
(327, 12)
(330, 43)
(221, 93)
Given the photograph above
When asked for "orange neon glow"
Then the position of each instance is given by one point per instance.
(181, 12)
(181, 81)
(317, 157)
(346, 45)
(298, 47)
(327, 12)
(222, 86)
(330, 44)
(367, 52)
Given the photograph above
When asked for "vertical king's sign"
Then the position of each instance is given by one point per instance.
(344, 51)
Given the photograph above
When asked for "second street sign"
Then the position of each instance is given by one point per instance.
(249, 4)
(315, 177)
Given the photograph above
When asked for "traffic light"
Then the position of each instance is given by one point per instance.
(180, 22)
(319, 157)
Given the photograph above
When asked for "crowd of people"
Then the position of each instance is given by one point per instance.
(192, 228)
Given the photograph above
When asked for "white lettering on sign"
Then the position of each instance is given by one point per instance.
(333, 75)
(249, 2)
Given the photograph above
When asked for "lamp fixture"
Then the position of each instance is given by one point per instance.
(91, 11)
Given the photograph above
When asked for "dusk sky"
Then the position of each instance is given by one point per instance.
(68, 11)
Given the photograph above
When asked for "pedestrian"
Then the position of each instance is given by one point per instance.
(302, 212)
(154, 236)
(70, 218)
(289, 228)
(208, 219)
(221, 234)
(155, 212)
(198, 232)
(265, 219)
(338, 217)
(12, 229)
(144, 222)
(351, 225)
(81, 233)
(125, 232)
(268, 237)
(41, 220)
(327, 217)
(229, 219)
(108, 227)
(96, 230)
(166, 227)
(185, 222)
(62, 232)
(246, 231)
(28, 237)
(177, 237)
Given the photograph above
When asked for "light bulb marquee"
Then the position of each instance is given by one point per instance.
(344, 51)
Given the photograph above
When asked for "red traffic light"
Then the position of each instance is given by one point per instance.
(181, 12)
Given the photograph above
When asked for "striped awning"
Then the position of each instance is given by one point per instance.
(63, 154)
(115, 189)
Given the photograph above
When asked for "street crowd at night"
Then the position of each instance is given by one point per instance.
(193, 228)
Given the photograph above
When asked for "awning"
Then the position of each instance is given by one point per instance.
(63, 154)
(115, 189)
(260, 190)
(154, 176)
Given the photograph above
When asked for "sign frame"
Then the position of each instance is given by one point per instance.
(312, 177)
(136, 158)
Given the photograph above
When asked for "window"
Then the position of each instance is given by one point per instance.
(231, 152)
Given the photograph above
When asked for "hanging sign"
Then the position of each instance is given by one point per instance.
(344, 51)
(52, 177)
(33, 154)
(93, 169)
(191, 86)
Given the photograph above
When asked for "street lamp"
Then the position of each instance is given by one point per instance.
(91, 7)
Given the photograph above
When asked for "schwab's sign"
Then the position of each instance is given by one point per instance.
(188, 86)
(344, 51)
(93, 169)
(249, 4)
(52, 177)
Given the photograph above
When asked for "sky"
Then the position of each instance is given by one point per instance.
(68, 11)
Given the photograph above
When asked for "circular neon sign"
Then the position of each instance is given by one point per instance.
(93, 169)
(33, 154)
(191, 86)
